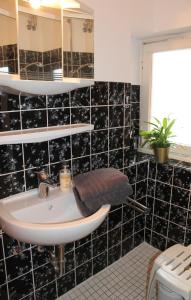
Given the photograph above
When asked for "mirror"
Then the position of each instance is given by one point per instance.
(78, 47)
(8, 37)
(51, 42)
(40, 42)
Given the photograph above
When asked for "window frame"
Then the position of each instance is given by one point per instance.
(182, 41)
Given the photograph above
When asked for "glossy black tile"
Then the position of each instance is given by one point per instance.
(58, 117)
(139, 223)
(80, 97)
(11, 158)
(81, 165)
(160, 226)
(99, 263)
(99, 141)
(141, 189)
(41, 255)
(180, 197)
(34, 119)
(127, 111)
(164, 173)
(66, 283)
(20, 287)
(83, 253)
(99, 117)
(128, 213)
(55, 55)
(135, 93)
(31, 102)
(142, 171)
(116, 116)
(127, 229)
(147, 235)
(114, 254)
(151, 187)
(36, 154)
(10, 245)
(83, 272)
(189, 220)
(48, 292)
(128, 139)
(188, 237)
(135, 111)
(116, 159)
(99, 93)
(80, 144)
(2, 273)
(3, 292)
(69, 261)
(60, 100)
(139, 238)
(11, 184)
(43, 275)
(80, 115)
(9, 102)
(114, 237)
(131, 173)
(158, 241)
(163, 191)
(178, 215)
(182, 177)
(116, 93)
(18, 265)
(99, 161)
(115, 218)
(99, 245)
(152, 169)
(176, 233)
(60, 149)
(115, 138)
(10, 121)
(127, 245)
(161, 209)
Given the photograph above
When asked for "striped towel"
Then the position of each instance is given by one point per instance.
(103, 186)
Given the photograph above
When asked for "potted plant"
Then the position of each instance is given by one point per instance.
(159, 138)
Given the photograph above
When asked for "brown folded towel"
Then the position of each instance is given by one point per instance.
(103, 186)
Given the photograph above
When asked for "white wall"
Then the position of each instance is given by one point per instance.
(8, 35)
(81, 41)
(119, 25)
(46, 37)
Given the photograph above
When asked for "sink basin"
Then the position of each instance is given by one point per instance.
(52, 221)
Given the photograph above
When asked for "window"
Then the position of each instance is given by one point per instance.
(166, 89)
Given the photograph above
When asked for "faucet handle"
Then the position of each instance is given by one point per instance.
(42, 175)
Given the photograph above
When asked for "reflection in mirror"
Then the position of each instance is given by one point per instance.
(78, 47)
(40, 42)
(8, 37)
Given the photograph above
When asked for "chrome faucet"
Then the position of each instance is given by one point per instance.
(45, 182)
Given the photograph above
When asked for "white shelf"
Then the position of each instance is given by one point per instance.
(42, 134)
(39, 87)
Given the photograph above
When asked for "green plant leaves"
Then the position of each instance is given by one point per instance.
(161, 133)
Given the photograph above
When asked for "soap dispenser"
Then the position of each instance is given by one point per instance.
(65, 179)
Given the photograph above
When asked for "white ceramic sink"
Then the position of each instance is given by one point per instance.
(52, 221)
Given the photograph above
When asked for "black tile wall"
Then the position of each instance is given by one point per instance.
(8, 58)
(30, 274)
(169, 197)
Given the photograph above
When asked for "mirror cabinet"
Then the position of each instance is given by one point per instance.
(47, 44)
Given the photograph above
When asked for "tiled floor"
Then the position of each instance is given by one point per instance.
(123, 280)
